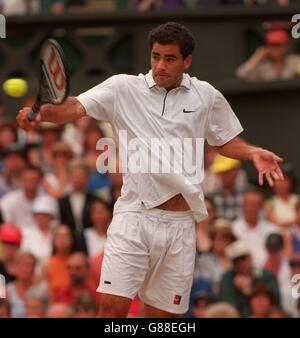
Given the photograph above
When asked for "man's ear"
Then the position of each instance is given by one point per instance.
(188, 61)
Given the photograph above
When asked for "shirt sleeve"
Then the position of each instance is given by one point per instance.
(99, 101)
(222, 125)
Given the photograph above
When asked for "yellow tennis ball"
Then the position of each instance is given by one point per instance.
(15, 87)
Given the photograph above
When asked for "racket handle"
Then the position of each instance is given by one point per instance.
(31, 115)
(34, 110)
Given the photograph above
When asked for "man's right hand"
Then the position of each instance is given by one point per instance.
(24, 123)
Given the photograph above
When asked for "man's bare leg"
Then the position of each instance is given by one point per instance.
(152, 312)
(112, 306)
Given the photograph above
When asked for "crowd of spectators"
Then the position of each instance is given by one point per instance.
(23, 7)
(248, 247)
(56, 208)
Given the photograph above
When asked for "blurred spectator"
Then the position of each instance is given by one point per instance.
(145, 5)
(14, 161)
(91, 136)
(73, 134)
(203, 238)
(237, 283)
(292, 236)
(276, 261)
(59, 310)
(278, 312)
(280, 209)
(201, 301)
(56, 182)
(54, 6)
(92, 239)
(4, 308)
(200, 287)
(78, 266)
(38, 237)
(19, 7)
(211, 180)
(36, 302)
(8, 134)
(75, 206)
(261, 301)
(98, 183)
(289, 302)
(221, 310)
(281, 3)
(16, 206)
(95, 268)
(212, 265)
(117, 181)
(41, 156)
(271, 61)
(252, 228)
(84, 306)
(25, 278)
(228, 196)
(55, 269)
(10, 238)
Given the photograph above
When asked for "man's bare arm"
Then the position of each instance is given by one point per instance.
(68, 111)
(237, 148)
(264, 160)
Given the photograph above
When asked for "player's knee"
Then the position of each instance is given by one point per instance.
(113, 306)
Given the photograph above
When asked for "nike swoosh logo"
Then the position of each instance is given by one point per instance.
(188, 111)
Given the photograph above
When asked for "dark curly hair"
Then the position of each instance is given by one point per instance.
(173, 33)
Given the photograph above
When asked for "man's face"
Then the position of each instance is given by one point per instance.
(77, 269)
(252, 205)
(43, 219)
(14, 163)
(168, 65)
(243, 265)
(78, 178)
(228, 177)
(277, 52)
(9, 250)
(30, 180)
(260, 305)
(100, 215)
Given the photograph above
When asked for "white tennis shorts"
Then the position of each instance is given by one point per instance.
(151, 253)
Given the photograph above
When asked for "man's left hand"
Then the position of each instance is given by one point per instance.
(267, 163)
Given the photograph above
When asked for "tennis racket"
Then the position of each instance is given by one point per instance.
(54, 77)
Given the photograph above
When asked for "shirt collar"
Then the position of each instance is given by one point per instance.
(185, 83)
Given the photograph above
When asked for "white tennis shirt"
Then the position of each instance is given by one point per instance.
(137, 105)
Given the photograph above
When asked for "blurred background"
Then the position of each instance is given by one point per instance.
(55, 207)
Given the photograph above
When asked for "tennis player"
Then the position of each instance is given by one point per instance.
(150, 248)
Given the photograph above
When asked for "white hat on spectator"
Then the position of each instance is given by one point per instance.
(45, 205)
(237, 249)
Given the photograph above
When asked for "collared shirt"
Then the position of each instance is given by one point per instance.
(255, 238)
(77, 201)
(193, 111)
(37, 242)
(17, 209)
(265, 71)
(229, 205)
